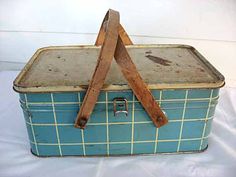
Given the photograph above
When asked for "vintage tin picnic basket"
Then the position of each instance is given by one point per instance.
(149, 99)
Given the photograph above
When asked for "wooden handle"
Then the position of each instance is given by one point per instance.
(134, 79)
(137, 84)
(108, 39)
(122, 33)
(113, 39)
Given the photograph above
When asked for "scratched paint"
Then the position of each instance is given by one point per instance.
(159, 60)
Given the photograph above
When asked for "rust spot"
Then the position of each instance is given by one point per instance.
(105, 86)
(159, 60)
(201, 70)
(84, 86)
(38, 85)
(148, 52)
(177, 71)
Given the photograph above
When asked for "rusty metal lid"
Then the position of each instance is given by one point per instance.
(69, 68)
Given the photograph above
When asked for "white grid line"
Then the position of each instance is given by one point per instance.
(157, 129)
(55, 120)
(32, 127)
(132, 129)
(82, 131)
(156, 141)
(120, 142)
(82, 139)
(107, 125)
(136, 101)
(206, 119)
(182, 122)
(119, 123)
(164, 108)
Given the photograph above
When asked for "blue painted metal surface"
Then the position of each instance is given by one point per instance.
(50, 123)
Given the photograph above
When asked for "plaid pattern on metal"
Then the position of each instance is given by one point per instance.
(50, 123)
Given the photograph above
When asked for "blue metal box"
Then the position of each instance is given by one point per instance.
(53, 83)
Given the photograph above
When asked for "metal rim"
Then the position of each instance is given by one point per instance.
(21, 89)
(125, 155)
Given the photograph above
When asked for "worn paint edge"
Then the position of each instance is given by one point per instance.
(22, 89)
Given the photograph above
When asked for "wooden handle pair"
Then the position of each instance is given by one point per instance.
(113, 39)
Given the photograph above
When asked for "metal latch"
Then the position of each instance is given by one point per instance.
(120, 105)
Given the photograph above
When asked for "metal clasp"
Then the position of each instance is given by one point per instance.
(120, 105)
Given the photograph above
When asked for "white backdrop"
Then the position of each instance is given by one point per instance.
(209, 25)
